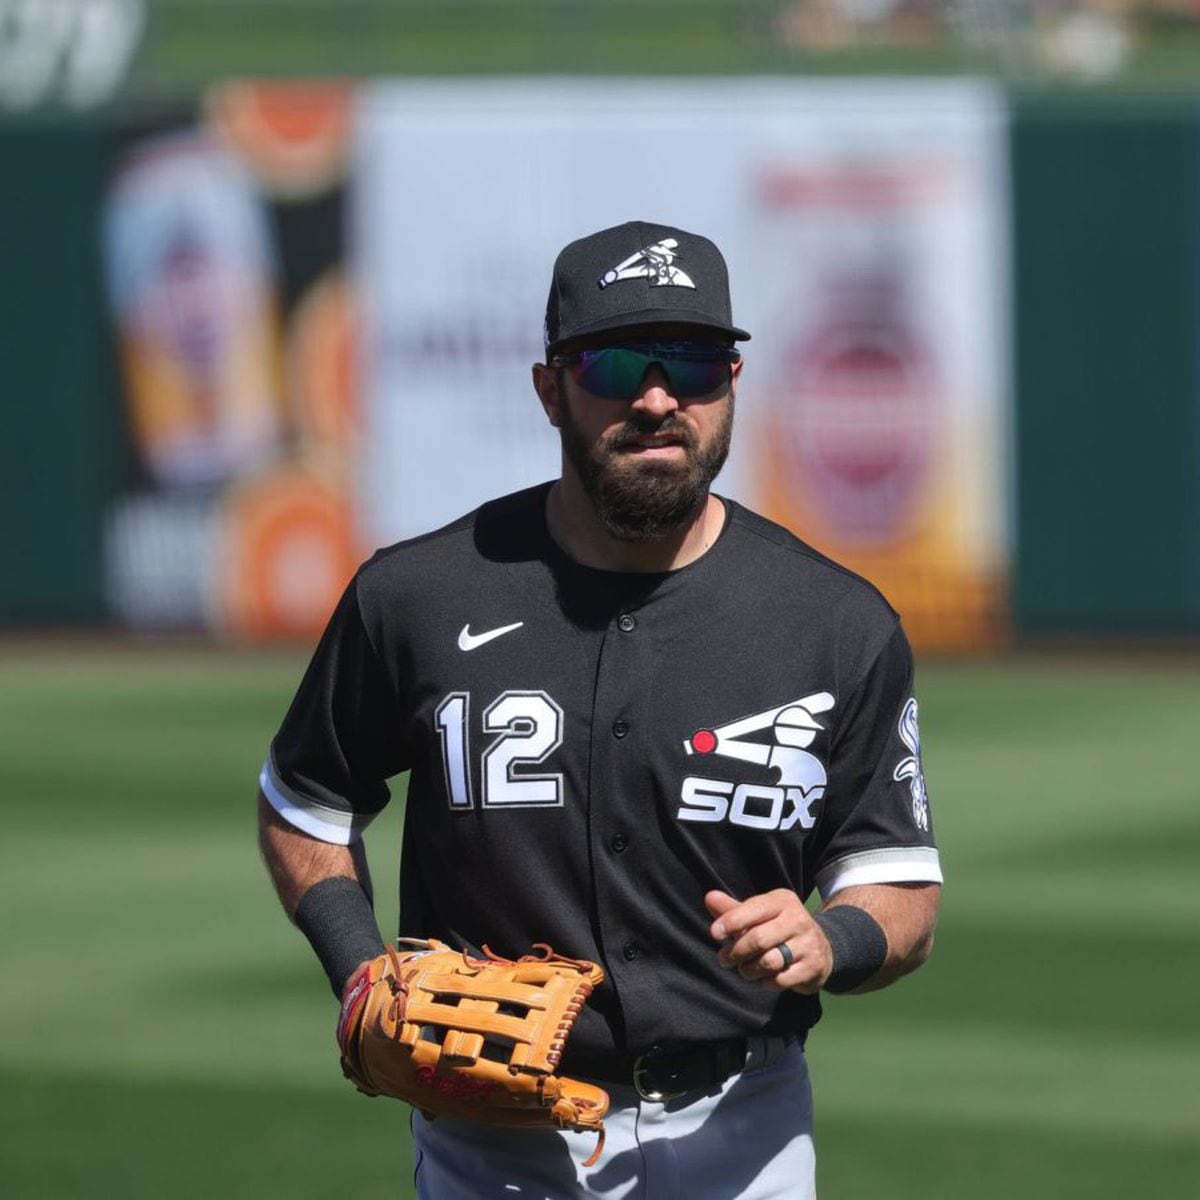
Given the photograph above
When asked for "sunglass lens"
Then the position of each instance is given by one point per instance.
(616, 372)
(613, 373)
(696, 377)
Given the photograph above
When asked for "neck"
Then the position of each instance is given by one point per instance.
(577, 529)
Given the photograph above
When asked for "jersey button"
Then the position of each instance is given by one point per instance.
(627, 623)
(620, 728)
(619, 842)
(630, 951)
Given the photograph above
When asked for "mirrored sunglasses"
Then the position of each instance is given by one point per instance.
(616, 372)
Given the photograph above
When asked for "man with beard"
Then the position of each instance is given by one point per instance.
(644, 725)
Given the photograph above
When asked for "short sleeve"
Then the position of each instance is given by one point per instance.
(875, 826)
(341, 738)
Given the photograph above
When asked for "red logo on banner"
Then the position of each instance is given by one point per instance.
(860, 410)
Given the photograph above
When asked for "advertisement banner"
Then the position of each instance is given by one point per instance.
(865, 227)
(223, 246)
(883, 424)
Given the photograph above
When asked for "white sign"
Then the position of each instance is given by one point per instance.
(465, 192)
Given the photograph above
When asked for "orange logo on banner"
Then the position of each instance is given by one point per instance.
(288, 554)
(321, 382)
(294, 135)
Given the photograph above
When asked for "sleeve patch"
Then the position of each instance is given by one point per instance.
(910, 768)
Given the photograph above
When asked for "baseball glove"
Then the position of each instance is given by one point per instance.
(478, 1038)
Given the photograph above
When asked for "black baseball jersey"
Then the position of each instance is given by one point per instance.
(591, 751)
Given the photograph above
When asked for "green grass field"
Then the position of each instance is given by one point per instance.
(163, 1030)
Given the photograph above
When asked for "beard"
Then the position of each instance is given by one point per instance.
(639, 501)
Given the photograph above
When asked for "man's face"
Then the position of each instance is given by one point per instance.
(646, 463)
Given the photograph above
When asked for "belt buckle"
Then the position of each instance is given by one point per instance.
(640, 1067)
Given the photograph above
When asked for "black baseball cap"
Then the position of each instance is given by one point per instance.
(638, 274)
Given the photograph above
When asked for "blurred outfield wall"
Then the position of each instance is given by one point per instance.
(1093, 309)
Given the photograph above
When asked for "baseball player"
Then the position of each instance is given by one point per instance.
(643, 725)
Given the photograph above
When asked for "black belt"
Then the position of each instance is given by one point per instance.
(666, 1072)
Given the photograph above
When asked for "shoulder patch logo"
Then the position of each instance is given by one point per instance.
(655, 263)
(910, 768)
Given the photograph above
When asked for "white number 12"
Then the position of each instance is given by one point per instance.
(530, 725)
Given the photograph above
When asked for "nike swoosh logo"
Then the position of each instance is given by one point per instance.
(472, 641)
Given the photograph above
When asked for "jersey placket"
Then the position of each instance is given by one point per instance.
(615, 829)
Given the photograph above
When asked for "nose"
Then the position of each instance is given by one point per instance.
(655, 398)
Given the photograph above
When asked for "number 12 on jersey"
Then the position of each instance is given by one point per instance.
(529, 728)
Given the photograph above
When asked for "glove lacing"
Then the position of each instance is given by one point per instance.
(399, 987)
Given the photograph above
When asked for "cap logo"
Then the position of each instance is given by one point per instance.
(655, 263)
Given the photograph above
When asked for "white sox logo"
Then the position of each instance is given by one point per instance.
(800, 782)
(910, 768)
(655, 263)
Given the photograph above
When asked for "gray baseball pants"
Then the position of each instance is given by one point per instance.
(751, 1139)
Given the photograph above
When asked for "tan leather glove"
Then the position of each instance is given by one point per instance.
(476, 1038)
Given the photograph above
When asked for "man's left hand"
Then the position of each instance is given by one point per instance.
(752, 931)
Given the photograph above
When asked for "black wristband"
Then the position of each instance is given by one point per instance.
(338, 920)
(858, 942)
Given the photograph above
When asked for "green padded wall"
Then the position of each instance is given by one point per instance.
(57, 425)
(1108, 496)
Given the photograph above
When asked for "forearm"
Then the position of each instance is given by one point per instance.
(296, 862)
(326, 890)
(907, 914)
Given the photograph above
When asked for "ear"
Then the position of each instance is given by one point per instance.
(735, 371)
(546, 384)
